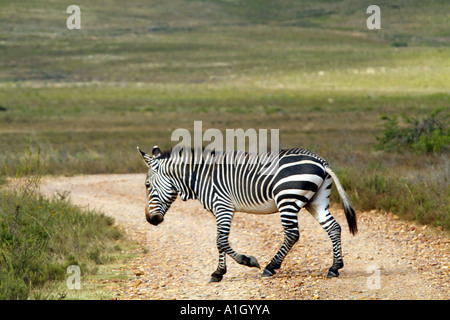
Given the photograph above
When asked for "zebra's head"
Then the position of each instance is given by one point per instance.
(159, 188)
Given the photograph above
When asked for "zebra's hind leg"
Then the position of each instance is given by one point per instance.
(334, 232)
(291, 236)
(330, 225)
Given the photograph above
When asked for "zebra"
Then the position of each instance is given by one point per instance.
(298, 179)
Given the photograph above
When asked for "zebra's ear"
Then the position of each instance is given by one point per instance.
(156, 152)
(147, 158)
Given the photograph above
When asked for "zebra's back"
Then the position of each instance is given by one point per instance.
(297, 176)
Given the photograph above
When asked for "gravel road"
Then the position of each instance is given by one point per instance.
(388, 258)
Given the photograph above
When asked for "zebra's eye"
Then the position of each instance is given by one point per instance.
(147, 184)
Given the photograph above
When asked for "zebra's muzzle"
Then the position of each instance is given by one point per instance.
(154, 218)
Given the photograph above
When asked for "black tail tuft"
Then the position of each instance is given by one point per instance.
(351, 218)
(348, 209)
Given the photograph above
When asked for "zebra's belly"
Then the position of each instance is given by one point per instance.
(263, 208)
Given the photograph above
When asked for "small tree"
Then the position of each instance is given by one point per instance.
(426, 135)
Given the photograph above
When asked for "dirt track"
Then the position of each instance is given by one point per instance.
(388, 259)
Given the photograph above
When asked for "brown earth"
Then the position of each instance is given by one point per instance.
(388, 258)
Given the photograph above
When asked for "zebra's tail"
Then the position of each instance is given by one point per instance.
(348, 209)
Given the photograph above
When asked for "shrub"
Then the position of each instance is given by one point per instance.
(40, 238)
(427, 135)
(399, 44)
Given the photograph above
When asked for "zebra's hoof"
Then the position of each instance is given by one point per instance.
(332, 273)
(267, 273)
(253, 262)
(249, 261)
(215, 278)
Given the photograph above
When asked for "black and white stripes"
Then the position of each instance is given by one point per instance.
(228, 182)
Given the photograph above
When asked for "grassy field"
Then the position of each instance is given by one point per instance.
(138, 70)
(42, 239)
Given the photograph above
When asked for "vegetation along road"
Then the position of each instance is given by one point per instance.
(388, 258)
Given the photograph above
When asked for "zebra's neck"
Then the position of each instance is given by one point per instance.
(193, 174)
(190, 178)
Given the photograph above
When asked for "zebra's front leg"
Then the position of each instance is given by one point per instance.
(291, 236)
(223, 230)
(217, 275)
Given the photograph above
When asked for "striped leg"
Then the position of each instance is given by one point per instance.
(291, 235)
(334, 232)
(319, 209)
(217, 275)
(223, 220)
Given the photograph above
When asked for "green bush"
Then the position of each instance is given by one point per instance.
(419, 136)
(399, 44)
(40, 238)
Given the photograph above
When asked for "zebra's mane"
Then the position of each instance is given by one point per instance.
(166, 154)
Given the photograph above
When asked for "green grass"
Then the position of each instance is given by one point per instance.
(40, 238)
(137, 71)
